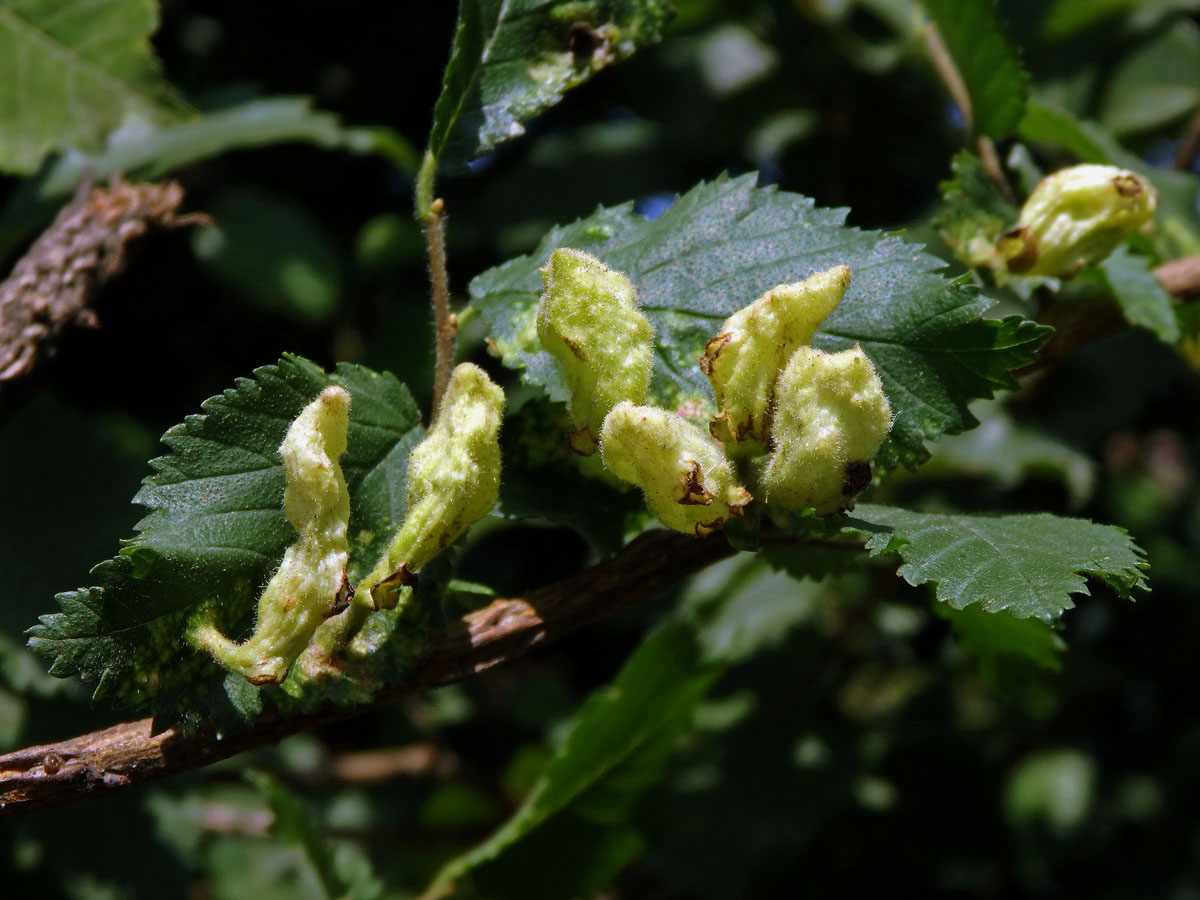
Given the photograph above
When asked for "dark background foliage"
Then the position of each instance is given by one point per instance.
(864, 751)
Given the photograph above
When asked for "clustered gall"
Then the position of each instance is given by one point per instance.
(801, 424)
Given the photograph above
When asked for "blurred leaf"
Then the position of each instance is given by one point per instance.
(70, 72)
(388, 242)
(272, 252)
(145, 150)
(573, 822)
(1001, 449)
(343, 873)
(1027, 565)
(455, 806)
(615, 749)
(1155, 85)
(990, 66)
(1054, 786)
(216, 529)
(1067, 17)
(513, 60)
(1142, 298)
(732, 58)
(13, 711)
(990, 636)
(723, 244)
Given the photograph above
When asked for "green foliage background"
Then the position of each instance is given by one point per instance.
(803, 721)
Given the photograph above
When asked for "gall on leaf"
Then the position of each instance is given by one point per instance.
(831, 419)
(453, 481)
(744, 360)
(687, 481)
(305, 588)
(588, 320)
(1075, 218)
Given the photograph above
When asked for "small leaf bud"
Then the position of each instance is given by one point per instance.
(588, 320)
(1076, 217)
(687, 481)
(744, 360)
(304, 589)
(830, 419)
(453, 481)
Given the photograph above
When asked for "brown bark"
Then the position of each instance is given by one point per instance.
(124, 755)
(51, 287)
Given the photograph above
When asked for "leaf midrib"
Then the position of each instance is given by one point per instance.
(22, 28)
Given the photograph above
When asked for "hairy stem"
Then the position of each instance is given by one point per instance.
(431, 214)
(124, 755)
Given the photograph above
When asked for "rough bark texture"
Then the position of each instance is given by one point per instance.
(124, 755)
(51, 287)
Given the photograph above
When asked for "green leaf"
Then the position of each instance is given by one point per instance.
(343, 874)
(616, 747)
(992, 637)
(545, 479)
(70, 72)
(513, 59)
(1156, 84)
(1142, 298)
(216, 530)
(973, 214)
(720, 246)
(1027, 565)
(1007, 452)
(623, 737)
(990, 67)
(273, 252)
(144, 150)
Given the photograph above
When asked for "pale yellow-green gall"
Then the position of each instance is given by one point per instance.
(309, 582)
(453, 481)
(687, 481)
(744, 360)
(831, 416)
(588, 320)
(1075, 218)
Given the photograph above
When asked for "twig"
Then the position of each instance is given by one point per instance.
(952, 80)
(1181, 277)
(1185, 156)
(445, 326)
(1079, 324)
(105, 761)
(431, 214)
(991, 164)
(51, 287)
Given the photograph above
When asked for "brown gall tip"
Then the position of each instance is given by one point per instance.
(1127, 185)
(694, 491)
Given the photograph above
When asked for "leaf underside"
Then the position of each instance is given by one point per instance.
(513, 59)
(216, 530)
(723, 244)
(1027, 565)
(70, 72)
